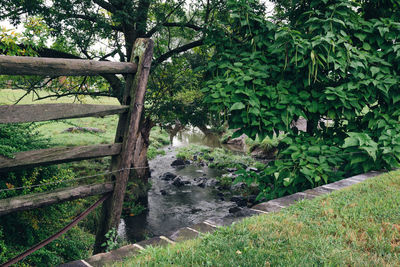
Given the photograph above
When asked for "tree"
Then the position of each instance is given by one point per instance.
(330, 62)
(78, 27)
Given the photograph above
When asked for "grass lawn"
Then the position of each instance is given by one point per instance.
(54, 130)
(358, 226)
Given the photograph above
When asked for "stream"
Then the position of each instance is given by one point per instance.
(181, 206)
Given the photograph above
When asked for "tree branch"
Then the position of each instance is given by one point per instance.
(93, 19)
(186, 25)
(155, 28)
(73, 94)
(173, 24)
(177, 50)
(104, 4)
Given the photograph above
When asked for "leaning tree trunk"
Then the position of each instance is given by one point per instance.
(138, 185)
(204, 129)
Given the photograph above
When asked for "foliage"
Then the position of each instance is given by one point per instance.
(102, 30)
(220, 158)
(188, 152)
(15, 138)
(133, 209)
(325, 62)
(298, 167)
(173, 96)
(226, 136)
(112, 240)
(3, 247)
(24, 229)
(158, 139)
(353, 227)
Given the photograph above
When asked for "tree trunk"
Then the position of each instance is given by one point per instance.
(173, 130)
(138, 185)
(204, 130)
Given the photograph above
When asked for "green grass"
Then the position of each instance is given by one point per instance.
(54, 130)
(358, 226)
(10, 96)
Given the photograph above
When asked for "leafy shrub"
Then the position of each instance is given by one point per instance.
(111, 240)
(158, 139)
(19, 137)
(306, 162)
(24, 229)
(325, 62)
(226, 136)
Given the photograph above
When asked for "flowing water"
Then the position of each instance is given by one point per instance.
(181, 206)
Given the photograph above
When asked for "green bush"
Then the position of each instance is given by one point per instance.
(326, 62)
(19, 137)
(22, 230)
(306, 162)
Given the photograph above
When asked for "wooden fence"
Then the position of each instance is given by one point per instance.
(137, 71)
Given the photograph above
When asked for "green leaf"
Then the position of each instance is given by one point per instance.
(349, 142)
(374, 70)
(237, 106)
(287, 181)
(314, 149)
(355, 159)
(307, 172)
(366, 46)
(360, 36)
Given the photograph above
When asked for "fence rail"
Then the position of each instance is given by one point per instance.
(15, 65)
(45, 112)
(122, 151)
(38, 200)
(57, 155)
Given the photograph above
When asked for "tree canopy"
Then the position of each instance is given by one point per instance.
(107, 30)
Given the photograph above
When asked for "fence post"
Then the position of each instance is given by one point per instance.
(127, 133)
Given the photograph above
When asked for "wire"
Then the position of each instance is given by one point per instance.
(146, 167)
(69, 180)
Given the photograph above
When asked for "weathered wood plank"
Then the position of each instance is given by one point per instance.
(57, 155)
(128, 130)
(44, 112)
(38, 200)
(16, 65)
